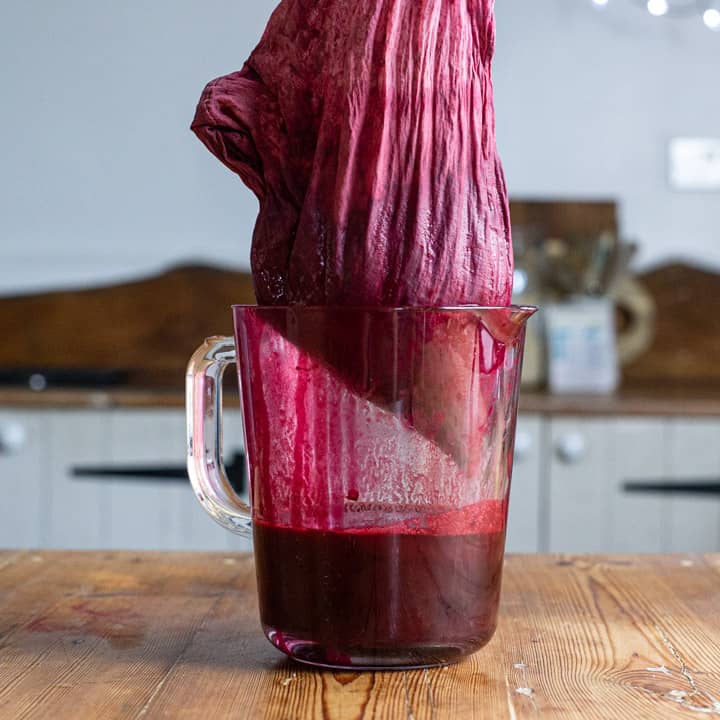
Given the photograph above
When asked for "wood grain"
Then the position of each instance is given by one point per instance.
(565, 218)
(123, 635)
(147, 328)
(687, 334)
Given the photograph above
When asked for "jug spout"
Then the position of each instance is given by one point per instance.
(524, 312)
(507, 324)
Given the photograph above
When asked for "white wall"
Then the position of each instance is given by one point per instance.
(587, 101)
(99, 172)
(100, 176)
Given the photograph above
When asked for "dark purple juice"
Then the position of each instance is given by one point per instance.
(423, 592)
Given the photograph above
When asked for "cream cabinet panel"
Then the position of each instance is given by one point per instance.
(526, 493)
(592, 510)
(579, 486)
(592, 460)
(24, 484)
(639, 451)
(694, 520)
(145, 513)
(80, 508)
(156, 514)
(101, 510)
(568, 493)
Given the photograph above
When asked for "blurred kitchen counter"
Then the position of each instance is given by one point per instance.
(659, 400)
(78, 398)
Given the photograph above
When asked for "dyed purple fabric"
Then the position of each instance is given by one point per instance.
(366, 130)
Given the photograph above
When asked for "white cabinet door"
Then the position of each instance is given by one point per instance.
(151, 514)
(93, 511)
(24, 484)
(589, 507)
(579, 486)
(694, 521)
(640, 453)
(525, 497)
(80, 508)
(146, 513)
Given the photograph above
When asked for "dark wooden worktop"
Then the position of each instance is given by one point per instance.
(139, 635)
(659, 400)
(133, 326)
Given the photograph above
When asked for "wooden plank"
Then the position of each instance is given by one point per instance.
(125, 635)
(686, 342)
(24, 580)
(98, 631)
(117, 321)
(558, 613)
(79, 644)
(229, 662)
(81, 398)
(565, 218)
(122, 317)
(8, 557)
(616, 637)
(658, 399)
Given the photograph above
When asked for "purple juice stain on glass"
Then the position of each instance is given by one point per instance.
(379, 443)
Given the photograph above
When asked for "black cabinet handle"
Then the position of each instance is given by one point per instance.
(161, 473)
(674, 487)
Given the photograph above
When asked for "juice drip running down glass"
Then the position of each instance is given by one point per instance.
(421, 592)
(380, 443)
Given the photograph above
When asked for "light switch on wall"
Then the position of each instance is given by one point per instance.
(695, 163)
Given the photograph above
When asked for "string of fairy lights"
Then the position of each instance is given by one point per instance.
(707, 11)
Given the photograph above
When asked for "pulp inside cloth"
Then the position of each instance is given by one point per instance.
(367, 132)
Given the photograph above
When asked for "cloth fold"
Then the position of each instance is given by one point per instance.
(367, 132)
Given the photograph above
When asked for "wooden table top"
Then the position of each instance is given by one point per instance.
(160, 635)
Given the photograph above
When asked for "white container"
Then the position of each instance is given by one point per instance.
(582, 346)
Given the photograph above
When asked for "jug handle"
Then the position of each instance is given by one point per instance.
(203, 404)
